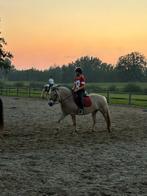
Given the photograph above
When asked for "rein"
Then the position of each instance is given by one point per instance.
(63, 100)
(60, 99)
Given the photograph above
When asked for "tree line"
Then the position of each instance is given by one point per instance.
(129, 68)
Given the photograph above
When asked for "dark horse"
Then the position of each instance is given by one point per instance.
(1, 115)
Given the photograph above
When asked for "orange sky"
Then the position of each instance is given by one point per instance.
(41, 33)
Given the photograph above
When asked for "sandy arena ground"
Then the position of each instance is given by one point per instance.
(36, 161)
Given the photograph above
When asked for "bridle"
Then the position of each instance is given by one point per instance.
(55, 99)
(60, 100)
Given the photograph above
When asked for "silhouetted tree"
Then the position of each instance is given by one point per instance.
(94, 68)
(5, 59)
(131, 67)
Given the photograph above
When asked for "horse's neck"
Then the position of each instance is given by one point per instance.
(65, 93)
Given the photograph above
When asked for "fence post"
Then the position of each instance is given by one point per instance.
(29, 92)
(17, 91)
(9, 91)
(108, 97)
(6, 92)
(130, 96)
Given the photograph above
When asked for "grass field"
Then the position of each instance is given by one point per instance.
(113, 97)
(119, 85)
(103, 85)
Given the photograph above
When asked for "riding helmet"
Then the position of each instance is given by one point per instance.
(78, 69)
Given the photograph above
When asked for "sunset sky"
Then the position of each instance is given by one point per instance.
(41, 33)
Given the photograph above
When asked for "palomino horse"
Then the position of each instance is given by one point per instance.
(64, 96)
(1, 115)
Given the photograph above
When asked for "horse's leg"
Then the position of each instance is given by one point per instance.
(62, 117)
(42, 94)
(106, 115)
(47, 95)
(94, 119)
(74, 121)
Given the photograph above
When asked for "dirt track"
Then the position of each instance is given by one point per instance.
(35, 161)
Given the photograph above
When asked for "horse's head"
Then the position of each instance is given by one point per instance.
(54, 96)
(59, 94)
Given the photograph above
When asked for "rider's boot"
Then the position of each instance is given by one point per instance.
(81, 111)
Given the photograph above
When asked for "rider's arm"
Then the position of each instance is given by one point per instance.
(82, 83)
(82, 87)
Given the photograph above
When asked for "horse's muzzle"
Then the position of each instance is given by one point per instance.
(51, 103)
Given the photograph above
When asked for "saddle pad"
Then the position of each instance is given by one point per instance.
(87, 101)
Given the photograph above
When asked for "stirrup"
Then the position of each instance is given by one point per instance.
(80, 112)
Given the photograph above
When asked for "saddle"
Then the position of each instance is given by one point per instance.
(86, 100)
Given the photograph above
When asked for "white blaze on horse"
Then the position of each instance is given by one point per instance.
(92, 104)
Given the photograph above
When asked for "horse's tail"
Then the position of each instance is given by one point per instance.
(108, 120)
(106, 113)
(1, 115)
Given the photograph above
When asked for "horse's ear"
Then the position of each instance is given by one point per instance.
(55, 87)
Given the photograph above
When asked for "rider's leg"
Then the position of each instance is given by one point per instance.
(73, 116)
(80, 94)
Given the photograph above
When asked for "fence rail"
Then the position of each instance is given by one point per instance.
(21, 91)
(112, 97)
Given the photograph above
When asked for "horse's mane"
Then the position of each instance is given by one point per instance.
(58, 86)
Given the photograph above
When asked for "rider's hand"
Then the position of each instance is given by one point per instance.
(75, 90)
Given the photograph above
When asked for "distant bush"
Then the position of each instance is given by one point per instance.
(145, 91)
(94, 88)
(16, 84)
(1, 84)
(113, 88)
(19, 84)
(132, 88)
(36, 85)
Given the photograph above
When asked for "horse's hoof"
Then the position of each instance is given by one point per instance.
(57, 131)
(75, 132)
(59, 121)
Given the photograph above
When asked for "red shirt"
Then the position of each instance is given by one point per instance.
(79, 81)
